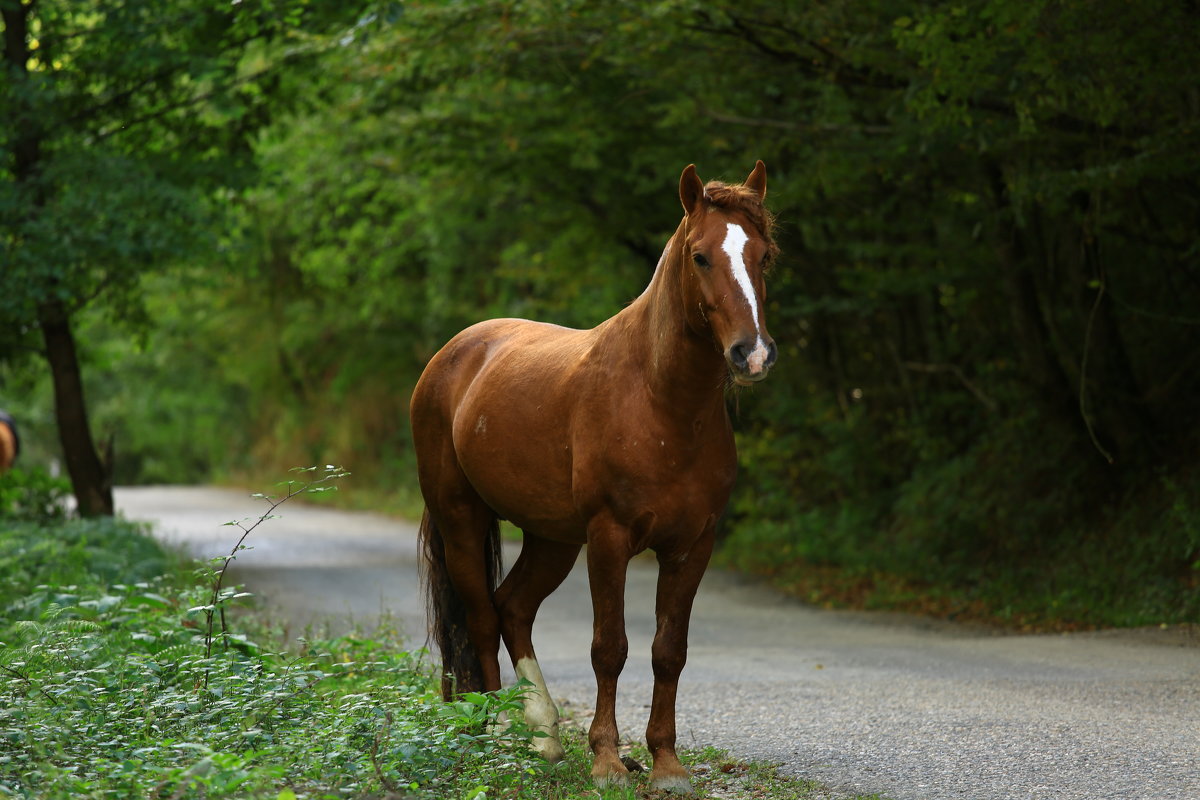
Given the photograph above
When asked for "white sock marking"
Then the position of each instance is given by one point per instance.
(734, 247)
(540, 711)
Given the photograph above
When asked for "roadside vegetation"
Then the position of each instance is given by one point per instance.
(127, 671)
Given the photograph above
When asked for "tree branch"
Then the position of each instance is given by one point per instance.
(766, 122)
(201, 98)
(123, 96)
(846, 74)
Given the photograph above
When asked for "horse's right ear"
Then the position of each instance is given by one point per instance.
(691, 189)
(757, 182)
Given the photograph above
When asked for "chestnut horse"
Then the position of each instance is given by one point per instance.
(615, 437)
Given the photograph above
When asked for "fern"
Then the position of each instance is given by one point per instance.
(176, 653)
(28, 628)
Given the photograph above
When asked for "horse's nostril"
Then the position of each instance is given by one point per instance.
(739, 355)
(772, 354)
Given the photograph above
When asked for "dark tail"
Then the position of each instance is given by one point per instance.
(445, 610)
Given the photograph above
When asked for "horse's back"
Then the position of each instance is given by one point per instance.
(500, 350)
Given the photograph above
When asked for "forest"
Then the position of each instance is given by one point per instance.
(232, 234)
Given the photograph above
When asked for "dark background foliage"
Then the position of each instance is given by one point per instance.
(986, 305)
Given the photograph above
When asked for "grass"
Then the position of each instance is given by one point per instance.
(718, 775)
(129, 672)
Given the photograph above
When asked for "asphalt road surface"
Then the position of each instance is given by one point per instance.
(863, 703)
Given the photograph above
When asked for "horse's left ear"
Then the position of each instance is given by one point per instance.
(757, 182)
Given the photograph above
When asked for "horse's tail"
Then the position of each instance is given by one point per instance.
(445, 609)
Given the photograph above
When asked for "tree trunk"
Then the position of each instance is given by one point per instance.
(90, 477)
(1032, 341)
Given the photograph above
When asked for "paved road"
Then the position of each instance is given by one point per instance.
(863, 703)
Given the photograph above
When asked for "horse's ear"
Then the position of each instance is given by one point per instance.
(757, 182)
(691, 189)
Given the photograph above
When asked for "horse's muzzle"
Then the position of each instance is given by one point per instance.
(750, 361)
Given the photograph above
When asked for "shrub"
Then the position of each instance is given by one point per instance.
(33, 495)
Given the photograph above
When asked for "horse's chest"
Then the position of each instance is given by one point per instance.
(677, 484)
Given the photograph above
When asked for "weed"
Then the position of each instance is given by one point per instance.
(215, 573)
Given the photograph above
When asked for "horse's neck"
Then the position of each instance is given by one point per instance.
(681, 365)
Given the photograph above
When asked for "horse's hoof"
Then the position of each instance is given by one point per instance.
(549, 748)
(676, 784)
(609, 773)
(611, 780)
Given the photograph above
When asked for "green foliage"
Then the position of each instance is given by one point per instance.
(111, 696)
(118, 122)
(70, 553)
(313, 481)
(1005, 532)
(108, 692)
(32, 495)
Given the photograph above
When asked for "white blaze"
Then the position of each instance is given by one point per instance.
(735, 247)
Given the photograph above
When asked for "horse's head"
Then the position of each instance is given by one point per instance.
(727, 248)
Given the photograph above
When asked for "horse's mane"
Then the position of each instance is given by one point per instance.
(736, 197)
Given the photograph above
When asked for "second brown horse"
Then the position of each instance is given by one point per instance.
(615, 437)
(10, 442)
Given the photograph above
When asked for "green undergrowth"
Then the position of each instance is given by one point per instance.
(126, 671)
(944, 545)
(108, 692)
(129, 673)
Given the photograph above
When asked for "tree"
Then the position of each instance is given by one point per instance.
(121, 120)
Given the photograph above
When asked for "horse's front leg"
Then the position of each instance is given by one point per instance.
(607, 557)
(679, 575)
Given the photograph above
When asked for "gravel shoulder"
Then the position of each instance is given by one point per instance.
(862, 702)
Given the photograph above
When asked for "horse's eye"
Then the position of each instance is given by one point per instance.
(700, 261)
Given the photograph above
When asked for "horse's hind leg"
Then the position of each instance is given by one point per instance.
(540, 569)
(469, 537)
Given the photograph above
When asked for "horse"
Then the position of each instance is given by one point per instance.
(10, 442)
(617, 437)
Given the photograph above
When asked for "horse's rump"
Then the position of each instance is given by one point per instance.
(502, 394)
